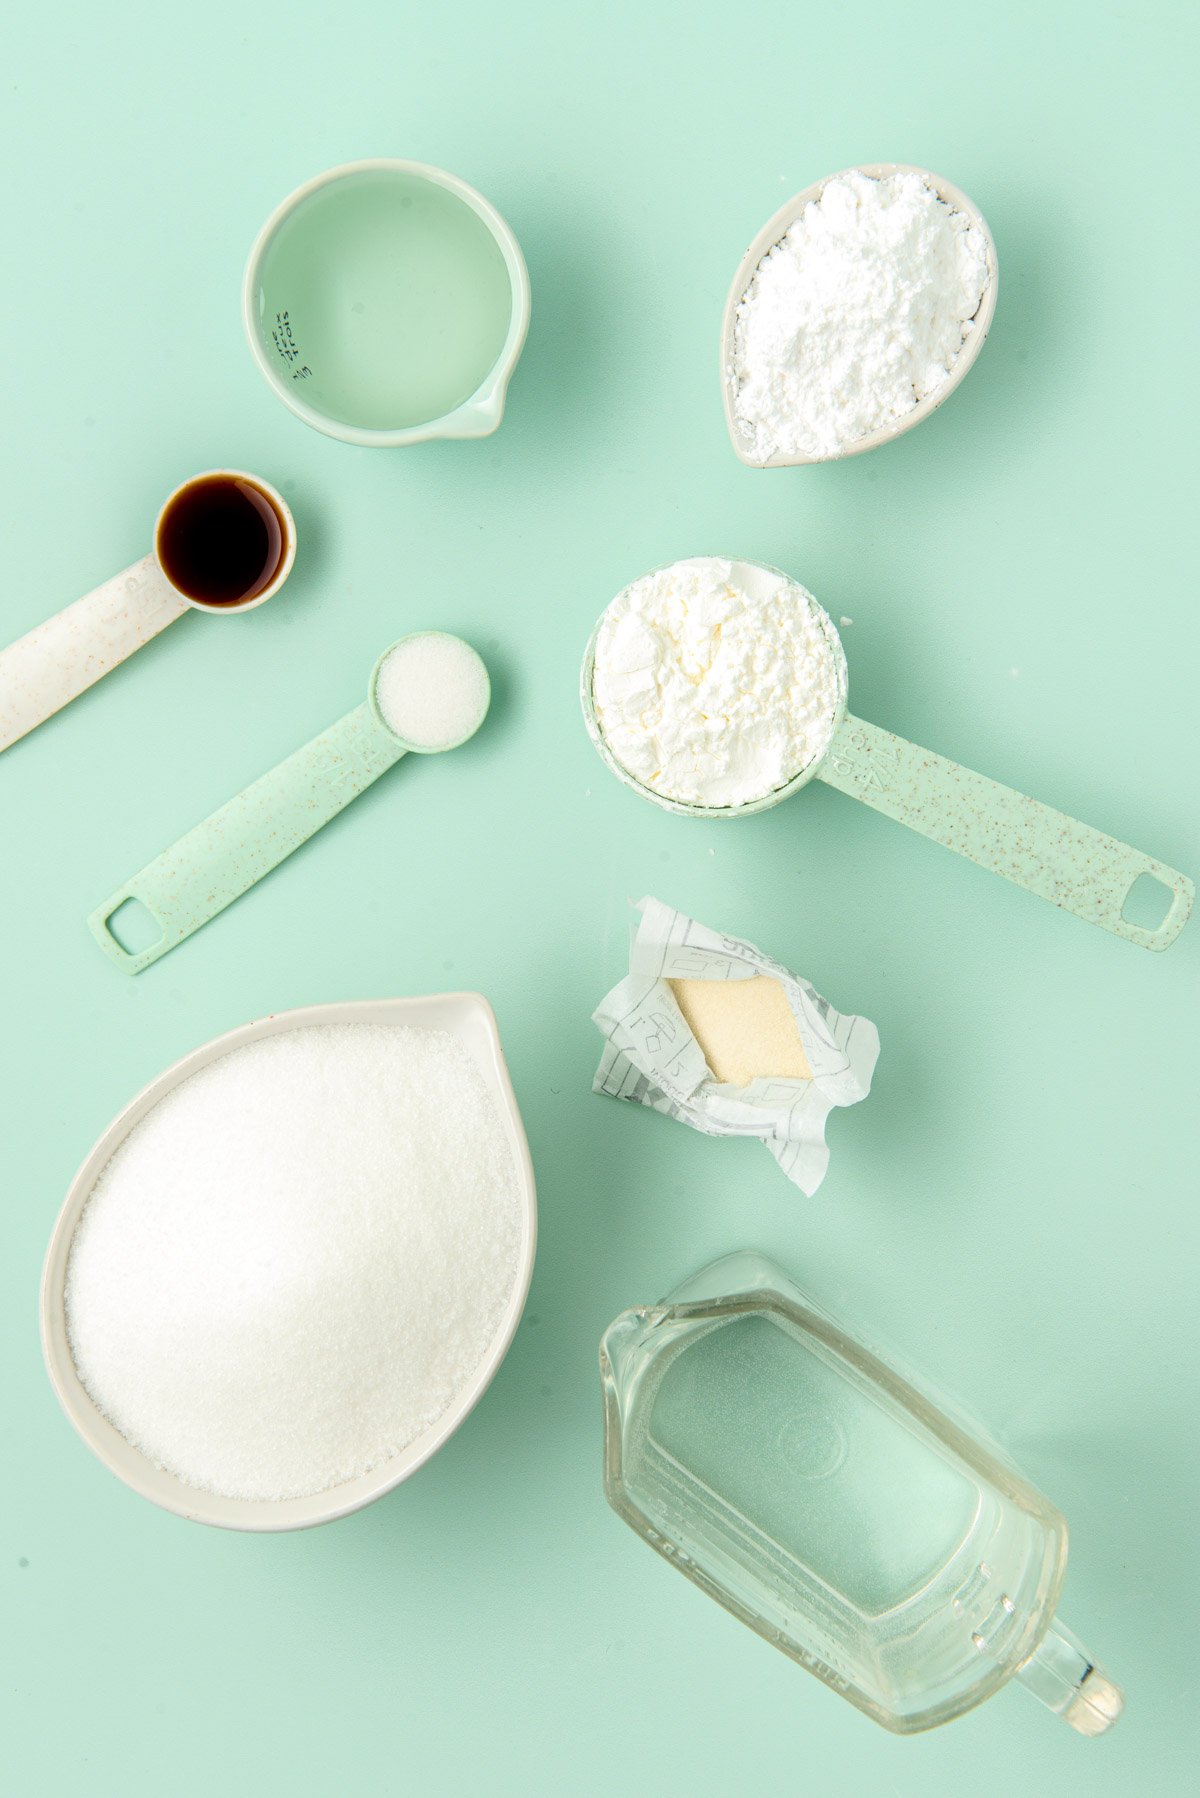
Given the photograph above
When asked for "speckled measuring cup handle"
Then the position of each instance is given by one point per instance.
(218, 860)
(60, 659)
(1075, 867)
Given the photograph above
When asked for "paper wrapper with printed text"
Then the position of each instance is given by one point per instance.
(652, 1058)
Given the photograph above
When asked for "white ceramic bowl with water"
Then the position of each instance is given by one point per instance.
(469, 1018)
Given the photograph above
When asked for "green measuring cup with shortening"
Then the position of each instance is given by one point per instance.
(1075, 867)
(429, 692)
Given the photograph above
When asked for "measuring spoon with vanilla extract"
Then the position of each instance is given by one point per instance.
(224, 541)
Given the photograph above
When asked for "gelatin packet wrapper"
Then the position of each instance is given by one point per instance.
(651, 1056)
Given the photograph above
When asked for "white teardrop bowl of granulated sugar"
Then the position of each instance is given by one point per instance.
(291, 1266)
(856, 311)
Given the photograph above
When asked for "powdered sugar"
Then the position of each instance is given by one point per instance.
(298, 1259)
(716, 682)
(857, 313)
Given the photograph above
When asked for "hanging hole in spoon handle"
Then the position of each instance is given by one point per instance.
(220, 859)
(430, 685)
(130, 934)
(1034, 846)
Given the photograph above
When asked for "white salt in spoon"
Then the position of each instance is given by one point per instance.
(776, 228)
(429, 692)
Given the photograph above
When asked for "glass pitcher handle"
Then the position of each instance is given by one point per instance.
(1064, 1677)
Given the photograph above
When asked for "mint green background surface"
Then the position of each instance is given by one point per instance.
(1014, 1207)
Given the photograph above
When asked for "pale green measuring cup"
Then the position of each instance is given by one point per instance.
(218, 860)
(1035, 847)
(386, 302)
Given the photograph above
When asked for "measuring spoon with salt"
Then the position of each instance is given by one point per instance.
(429, 692)
(1075, 867)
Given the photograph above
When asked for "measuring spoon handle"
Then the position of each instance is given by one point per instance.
(1030, 844)
(57, 661)
(217, 861)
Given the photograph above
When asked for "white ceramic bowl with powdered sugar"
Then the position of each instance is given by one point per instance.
(857, 310)
(253, 1357)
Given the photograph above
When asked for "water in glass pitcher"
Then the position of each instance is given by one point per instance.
(753, 1425)
(831, 1505)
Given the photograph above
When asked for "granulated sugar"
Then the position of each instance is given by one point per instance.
(297, 1259)
(857, 313)
(432, 690)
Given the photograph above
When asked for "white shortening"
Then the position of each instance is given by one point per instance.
(716, 682)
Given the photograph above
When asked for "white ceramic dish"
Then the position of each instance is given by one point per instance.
(467, 1016)
(770, 235)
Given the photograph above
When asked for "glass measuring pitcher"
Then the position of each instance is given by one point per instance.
(813, 1492)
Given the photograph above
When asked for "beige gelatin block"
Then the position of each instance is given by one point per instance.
(745, 1028)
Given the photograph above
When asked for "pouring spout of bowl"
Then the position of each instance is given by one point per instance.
(483, 412)
(479, 417)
